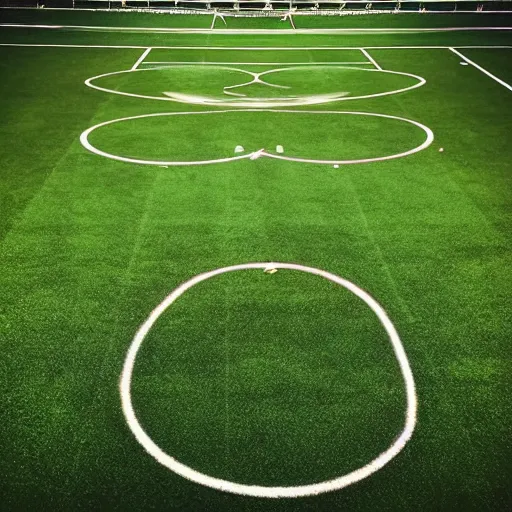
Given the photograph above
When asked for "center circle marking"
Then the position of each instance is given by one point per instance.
(256, 490)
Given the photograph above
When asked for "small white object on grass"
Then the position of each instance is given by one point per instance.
(279, 148)
(270, 269)
(239, 149)
(336, 166)
(464, 63)
(441, 150)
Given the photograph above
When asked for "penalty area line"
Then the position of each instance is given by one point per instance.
(141, 59)
(371, 59)
(480, 68)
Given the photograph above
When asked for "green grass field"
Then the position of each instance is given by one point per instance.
(281, 379)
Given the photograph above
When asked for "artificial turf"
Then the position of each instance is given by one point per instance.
(280, 379)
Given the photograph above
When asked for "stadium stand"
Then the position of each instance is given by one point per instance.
(271, 7)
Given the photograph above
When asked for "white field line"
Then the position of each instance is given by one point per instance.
(84, 139)
(243, 100)
(224, 63)
(251, 48)
(371, 59)
(257, 490)
(141, 58)
(278, 102)
(255, 80)
(230, 93)
(480, 68)
(429, 139)
(255, 31)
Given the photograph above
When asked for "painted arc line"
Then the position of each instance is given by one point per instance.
(420, 82)
(141, 70)
(238, 95)
(255, 80)
(256, 490)
(84, 139)
(87, 145)
(421, 147)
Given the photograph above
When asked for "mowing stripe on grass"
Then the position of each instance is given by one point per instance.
(255, 79)
(480, 68)
(257, 490)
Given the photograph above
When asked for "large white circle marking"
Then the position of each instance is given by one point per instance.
(84, 139)
(312, 99)
(257, 490)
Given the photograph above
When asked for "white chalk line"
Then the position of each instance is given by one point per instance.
(480, 68)
(230, 93)
(256, 490)
(224, 63)
(252, 48)
(324, 98)
(258, 102)
(242, 31)
(243, 101)
(141, 59)
(371, 59)
(255, 80)
(84, 139)
(89, 83)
